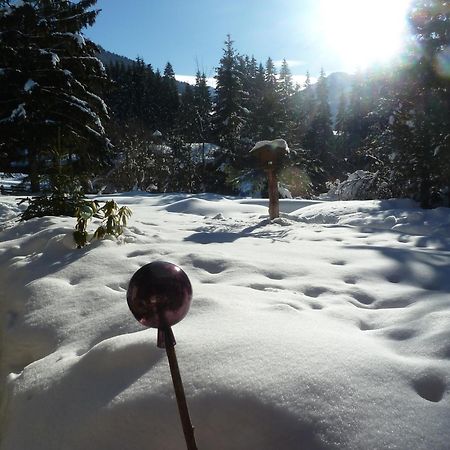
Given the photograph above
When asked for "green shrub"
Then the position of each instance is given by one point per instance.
(113, 220)
(57, 203)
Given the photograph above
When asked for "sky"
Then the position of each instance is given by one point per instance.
(338, 35)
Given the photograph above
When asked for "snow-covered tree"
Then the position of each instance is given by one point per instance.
(320, 133)
(203, 107)
(50, 79)
(229, 112)
(169, 99)
(412, 150)
(288, 98)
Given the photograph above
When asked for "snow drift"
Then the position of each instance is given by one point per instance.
(328, 328)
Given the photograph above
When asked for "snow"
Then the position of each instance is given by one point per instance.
(18, 113)
(54, 57)
(30, 85)
(276, 144)
(77, 37)
(359, 185)
(327, 328)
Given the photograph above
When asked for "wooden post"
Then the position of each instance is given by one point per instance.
(270, 156)
(188, 429)
(274, 204)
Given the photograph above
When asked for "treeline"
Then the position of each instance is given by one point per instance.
(251, 102)
(394, 123)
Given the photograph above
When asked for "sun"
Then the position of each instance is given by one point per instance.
(364, 32)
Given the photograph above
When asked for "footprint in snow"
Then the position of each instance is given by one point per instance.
(314, 291)
(430, 386)
(338, 262)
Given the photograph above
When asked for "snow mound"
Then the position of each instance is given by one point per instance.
(201, 207)
(9, 211)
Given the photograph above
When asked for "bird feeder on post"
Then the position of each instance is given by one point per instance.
(271, 156)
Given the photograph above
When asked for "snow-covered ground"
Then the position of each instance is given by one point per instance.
(327, 328)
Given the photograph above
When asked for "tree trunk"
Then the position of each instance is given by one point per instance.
(34, 175)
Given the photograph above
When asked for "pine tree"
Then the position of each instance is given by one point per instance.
(409, 143)
(203, 109)
(270, 114)
(229, 112)
(341, 133)
(187, 120)
(356, 125)
(320, 133)
(341, 115)
(50, 109)
(412, 152)
(170, 99)
(254, 126)
(306, 110)
(286, 92)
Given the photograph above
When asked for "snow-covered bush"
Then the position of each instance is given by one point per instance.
(360, 185)
(59, 202)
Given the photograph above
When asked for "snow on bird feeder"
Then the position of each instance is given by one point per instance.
(271, 156)
(159, 295)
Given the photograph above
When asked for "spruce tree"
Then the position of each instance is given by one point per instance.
(271, 108)
(287, 97)
(412, 152)
(229, 112)
(170, 100)
(341, 115)
(50, 109)
(187, 120)
(341, 140)
(203, 109)
(306, 110)
(320, 133)
(254, 129)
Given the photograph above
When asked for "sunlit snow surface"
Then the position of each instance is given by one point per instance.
(328, 328)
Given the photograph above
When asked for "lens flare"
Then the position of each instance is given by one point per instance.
(442, 63)
(364, 32)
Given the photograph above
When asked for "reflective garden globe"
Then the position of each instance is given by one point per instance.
(159, 294)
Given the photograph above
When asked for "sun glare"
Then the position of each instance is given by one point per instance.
(364, 32)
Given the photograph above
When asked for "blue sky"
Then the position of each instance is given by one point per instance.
(190, 34)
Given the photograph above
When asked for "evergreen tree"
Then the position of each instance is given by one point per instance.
(357, 124)
(270, 114)
(306, 110)
(341, 115)
(254, 126)
(187, 120)
(412, 152)
(341, 140)
(287, 97)
(320, 133)
(170, 100)
(50, 109)
(203, 109)
(229, 112)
